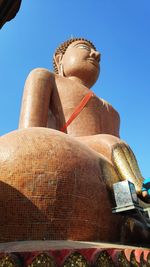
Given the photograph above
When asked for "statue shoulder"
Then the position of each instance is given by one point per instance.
(110, 108)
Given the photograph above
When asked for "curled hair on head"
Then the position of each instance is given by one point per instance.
(63, 47)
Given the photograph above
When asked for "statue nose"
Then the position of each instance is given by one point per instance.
(95, 54)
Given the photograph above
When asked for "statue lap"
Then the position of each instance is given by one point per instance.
(47, 198)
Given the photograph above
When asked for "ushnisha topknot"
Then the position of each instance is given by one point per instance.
(63, 47)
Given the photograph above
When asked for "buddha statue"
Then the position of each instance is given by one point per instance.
(58, 168)
(50, 99)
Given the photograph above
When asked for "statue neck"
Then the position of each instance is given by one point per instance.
(79, 81)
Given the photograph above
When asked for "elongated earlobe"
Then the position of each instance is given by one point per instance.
(58, 62)
(61, 70)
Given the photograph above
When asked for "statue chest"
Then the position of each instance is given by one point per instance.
(95, 118)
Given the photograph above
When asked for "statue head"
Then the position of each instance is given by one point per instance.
(77, 57)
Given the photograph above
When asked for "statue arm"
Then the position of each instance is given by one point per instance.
(36, 98)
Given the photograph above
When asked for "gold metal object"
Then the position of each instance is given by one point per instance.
(104, 260)
(76, 260)
(8, 261)
(126, 165)
(42, 260)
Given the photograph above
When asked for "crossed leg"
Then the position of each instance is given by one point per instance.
(119, 154)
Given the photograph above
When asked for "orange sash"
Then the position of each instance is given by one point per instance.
(78, 109)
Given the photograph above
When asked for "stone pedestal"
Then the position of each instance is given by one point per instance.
(125, 196)
(70, 253)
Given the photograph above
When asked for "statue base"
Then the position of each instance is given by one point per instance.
(71, 253)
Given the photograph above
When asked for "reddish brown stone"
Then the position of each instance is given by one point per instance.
(46, 191)
(59, 186)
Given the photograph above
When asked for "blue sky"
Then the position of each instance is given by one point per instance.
(120, 29)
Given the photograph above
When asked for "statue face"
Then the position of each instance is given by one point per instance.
(82, 61)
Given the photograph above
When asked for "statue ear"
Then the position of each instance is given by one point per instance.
(58, 62)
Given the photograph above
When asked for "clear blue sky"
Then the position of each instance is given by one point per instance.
(120, 29)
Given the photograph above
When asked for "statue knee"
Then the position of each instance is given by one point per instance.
(40, 75)
(36, 99)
